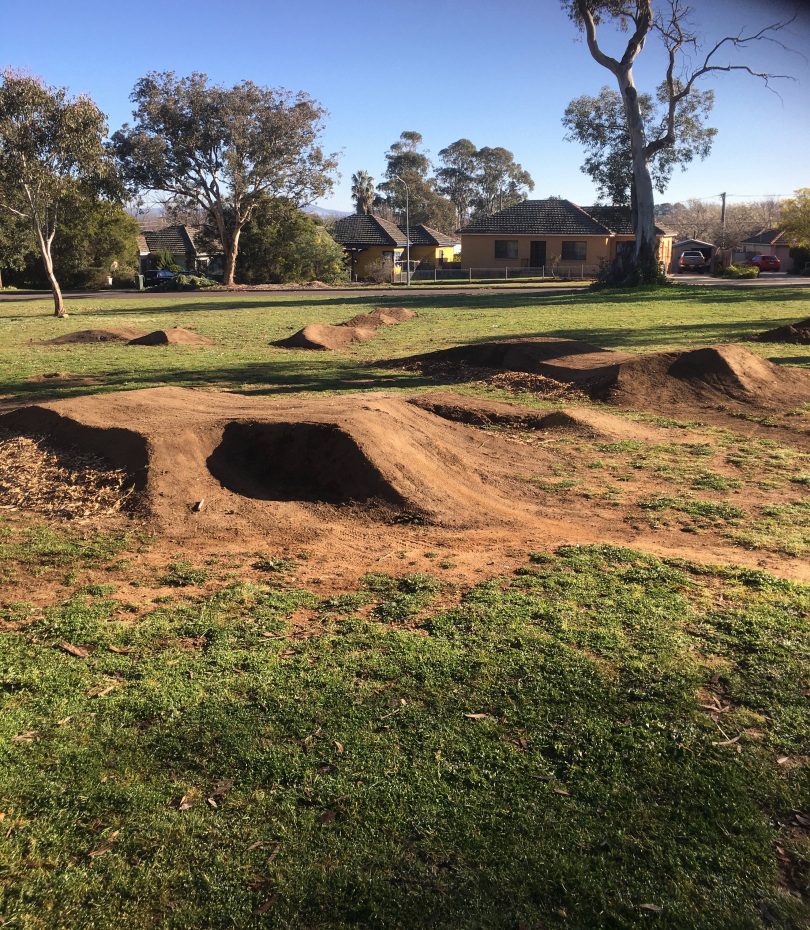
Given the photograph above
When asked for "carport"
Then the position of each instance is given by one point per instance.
(689, 245)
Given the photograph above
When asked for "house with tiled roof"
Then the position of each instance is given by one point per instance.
(552, 233)
(179, 240)
(373, 242)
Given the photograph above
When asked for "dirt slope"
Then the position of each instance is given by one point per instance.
(172, 337)
(793, 333)
(324, 337)
(89, 336)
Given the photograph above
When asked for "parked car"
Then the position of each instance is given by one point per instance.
(692, 260)
(766, 262)
(156, 275)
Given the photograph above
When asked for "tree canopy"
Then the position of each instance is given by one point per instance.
(224, 148)
(795, 219)
(51, 152)
(363, 191)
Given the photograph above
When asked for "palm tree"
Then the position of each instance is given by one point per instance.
(363, 191)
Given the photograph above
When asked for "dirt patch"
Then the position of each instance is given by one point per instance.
(90, 336)
(64, 378)
(793, 333)
(325, 337)
(171, 337)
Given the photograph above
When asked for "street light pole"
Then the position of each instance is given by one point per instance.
(407, 228)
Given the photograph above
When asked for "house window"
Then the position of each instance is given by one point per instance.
(506, 248)
(574, 251)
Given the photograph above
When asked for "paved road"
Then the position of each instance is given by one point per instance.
(773, 279)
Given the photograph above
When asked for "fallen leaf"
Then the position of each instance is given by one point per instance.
(64, 720)
(339, 746)
(650, 907)
(479, 716)
(782, 760)
(78, 651)
(562, 791)
(727, 742)
(212, 803)
(119, 650)
(105, 847)
(2, 816)
(198, 506)
(185, 803)
(28, 737)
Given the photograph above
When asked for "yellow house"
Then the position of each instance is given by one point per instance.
(553, 235)
(430, 247)
(374, 245)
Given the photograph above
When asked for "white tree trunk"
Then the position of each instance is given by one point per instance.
(231, 254)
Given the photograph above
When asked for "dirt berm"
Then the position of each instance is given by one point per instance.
(172, 337)
(268, 463)
(324, 336)
(793, 333)
(89, 336)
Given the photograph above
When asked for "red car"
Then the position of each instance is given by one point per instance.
(766, 262)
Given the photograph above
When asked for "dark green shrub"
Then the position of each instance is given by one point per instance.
(740, 271)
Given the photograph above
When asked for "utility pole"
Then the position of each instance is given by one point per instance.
(723, 220)
(407, 228)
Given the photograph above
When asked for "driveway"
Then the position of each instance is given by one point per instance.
(767, 279)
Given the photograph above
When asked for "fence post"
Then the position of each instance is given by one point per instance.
(470, 275)
(506, 273)
(434, 275)
(582, 273)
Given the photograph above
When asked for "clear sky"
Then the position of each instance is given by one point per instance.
(499, 72)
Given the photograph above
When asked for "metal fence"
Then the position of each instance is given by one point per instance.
(570, 271)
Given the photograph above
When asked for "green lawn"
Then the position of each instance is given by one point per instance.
(597, 739)
(243, 325)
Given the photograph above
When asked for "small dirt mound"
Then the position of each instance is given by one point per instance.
(172, 337)
(325, 337)
(582, 421)
(63, 378)
(90, 336)
(707, 376)
(793, 333)
(382, 316)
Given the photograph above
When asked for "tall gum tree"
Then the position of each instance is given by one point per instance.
(51, 151)
(672, 26)
(224, 149)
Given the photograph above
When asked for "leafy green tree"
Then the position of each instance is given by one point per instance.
(51, 151)
(457, 177)
(795, 218)
(599, 125)
(685, 65)
(406, 161)
(363, 191)
(224, 148)
(502, 182)
(280, 244)
(16, 242)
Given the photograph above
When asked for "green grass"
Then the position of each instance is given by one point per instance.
(543, 754)
(243, 325)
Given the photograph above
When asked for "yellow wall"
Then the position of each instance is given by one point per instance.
(478, 251)
(435, 255)
(369, 257)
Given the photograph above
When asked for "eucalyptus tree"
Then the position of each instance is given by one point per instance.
(224, 149)
(687, 61)
(51, 151)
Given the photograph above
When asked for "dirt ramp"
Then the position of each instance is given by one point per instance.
(527, 355)
(382, 316)
(172, 337)
(91, 336)
(792, 334)
(325, 337)
(707, 376)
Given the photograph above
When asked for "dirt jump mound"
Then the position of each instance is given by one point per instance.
(793, 333)
(90, 336)
(172, 337)
(325, 337)
(361, 328)
(258, 464)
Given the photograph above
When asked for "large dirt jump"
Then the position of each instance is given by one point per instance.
(90, 336)
(707, 376)
(792, 334)
(361, 328)
(260, 463)
(171, 337)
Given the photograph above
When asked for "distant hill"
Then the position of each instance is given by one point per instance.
(325, 213)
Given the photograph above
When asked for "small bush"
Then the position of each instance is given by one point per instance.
(186, 282)
(740, 271)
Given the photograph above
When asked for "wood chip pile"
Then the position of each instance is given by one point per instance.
(70, 484)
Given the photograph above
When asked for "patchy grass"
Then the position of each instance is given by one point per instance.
(602, 739)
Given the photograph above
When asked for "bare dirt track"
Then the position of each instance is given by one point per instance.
(362, 482)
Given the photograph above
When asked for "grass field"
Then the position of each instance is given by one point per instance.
(596, 738)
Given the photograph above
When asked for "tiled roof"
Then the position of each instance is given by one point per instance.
(765, 237)
(362, 230)
(552, 217)
(557, 217)
(172, 239)
(426, 235)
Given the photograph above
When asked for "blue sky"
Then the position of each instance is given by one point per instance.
(499, 72)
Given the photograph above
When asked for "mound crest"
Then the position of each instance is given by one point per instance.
(172, 337)
(262, 463)
(382, 316)
(89, 336)
(325, 337)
